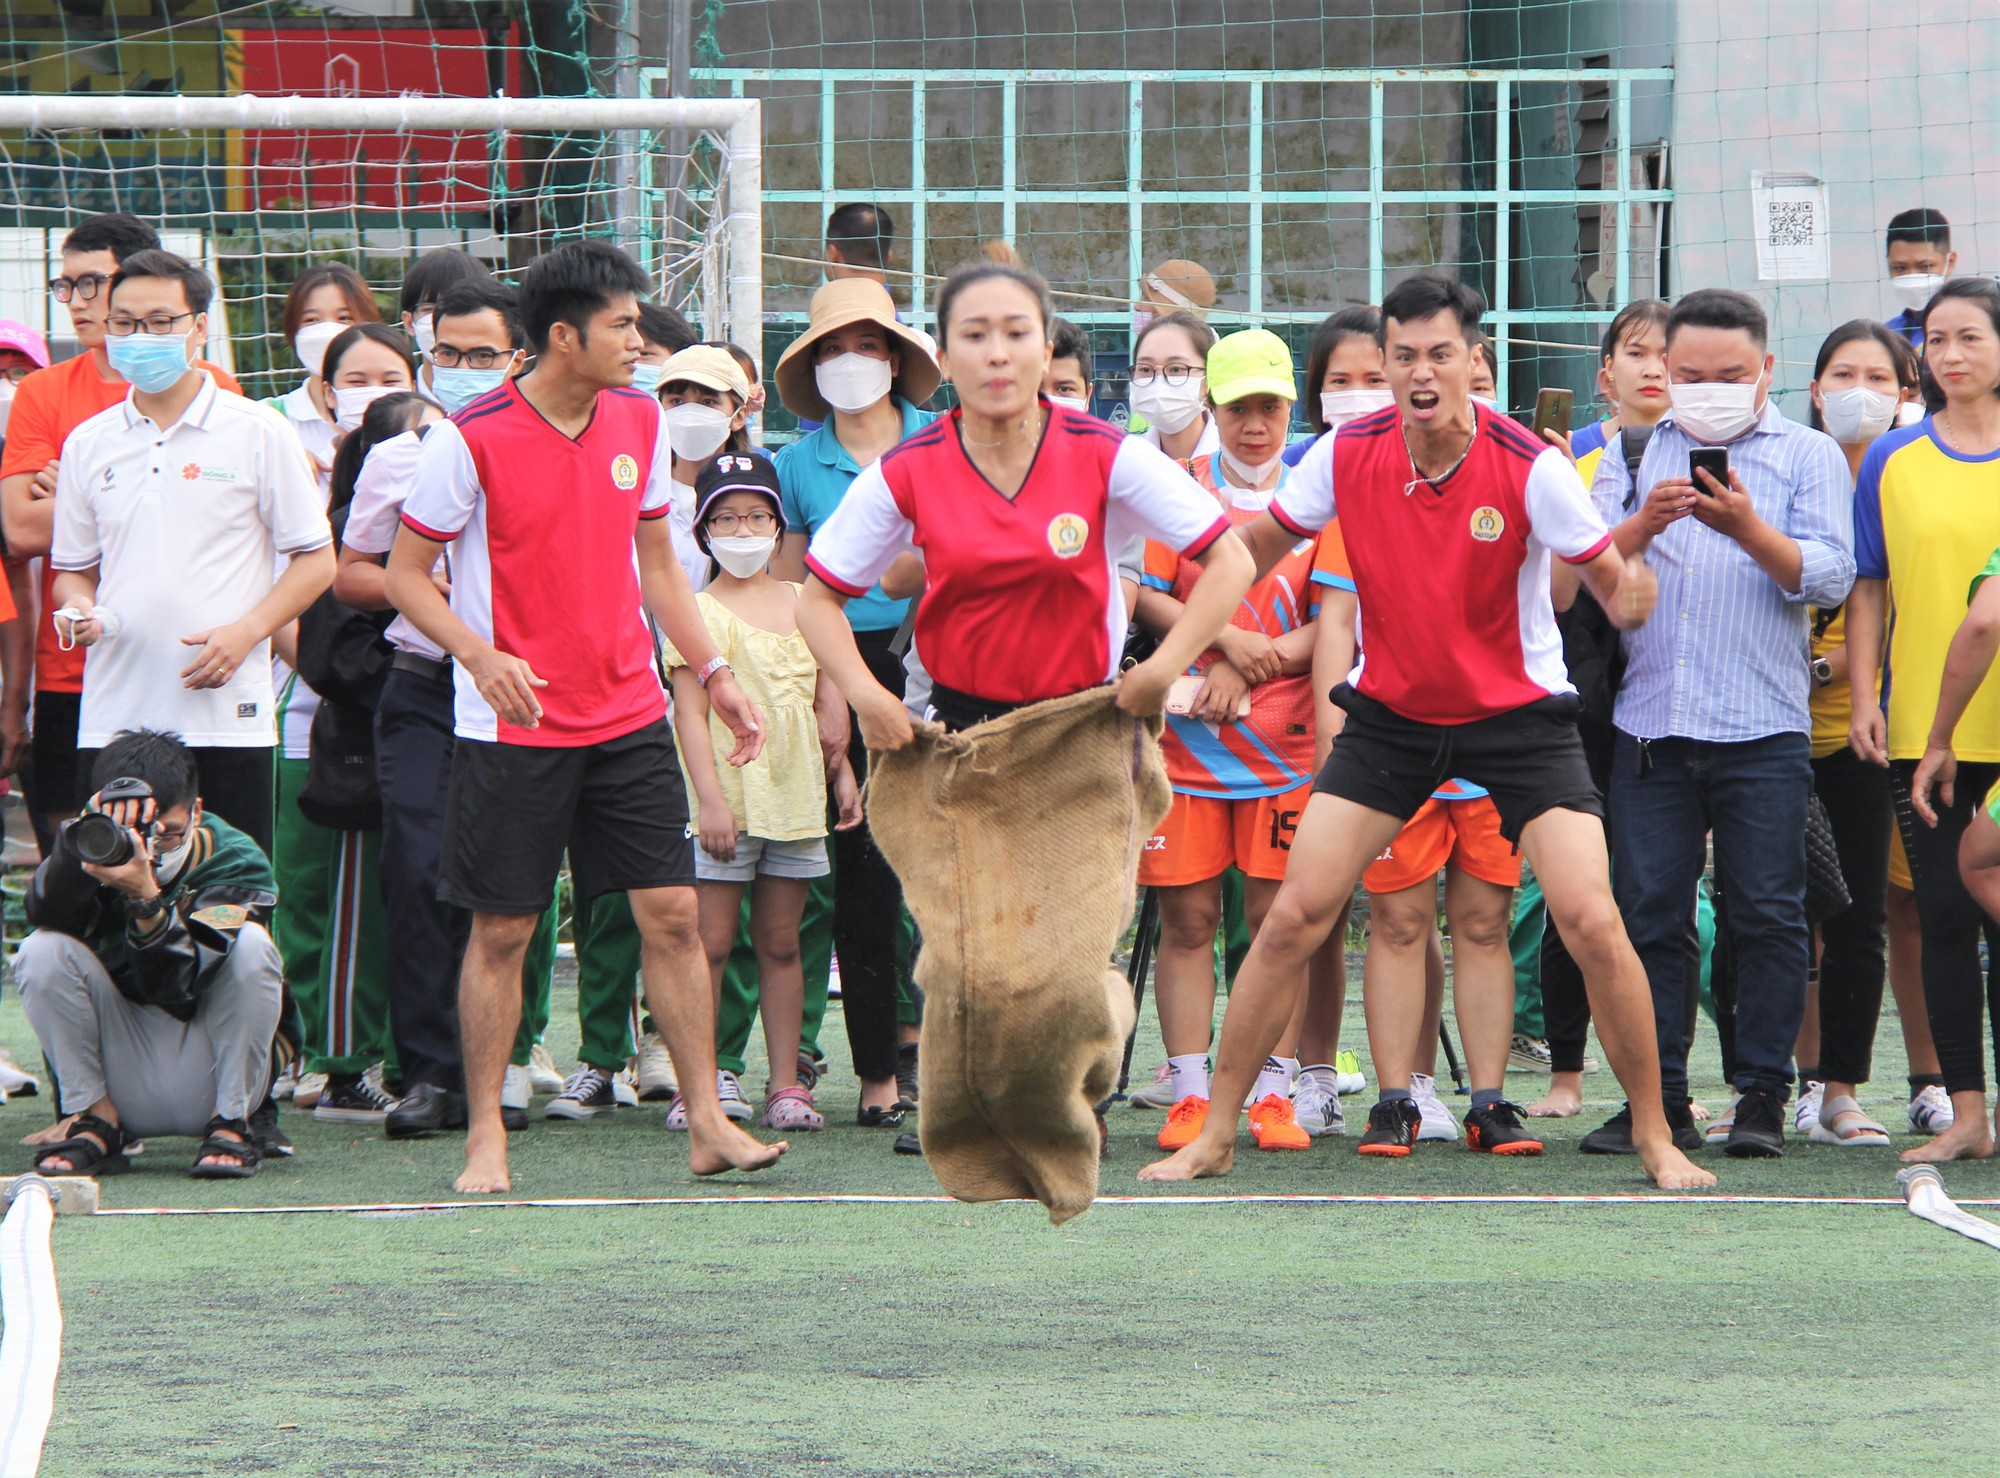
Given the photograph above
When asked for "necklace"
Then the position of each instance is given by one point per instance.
(1034, 420)
(1417, 477)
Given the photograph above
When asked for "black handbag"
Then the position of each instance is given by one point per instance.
(1826, 885)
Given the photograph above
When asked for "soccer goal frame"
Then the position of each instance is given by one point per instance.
(733, 242)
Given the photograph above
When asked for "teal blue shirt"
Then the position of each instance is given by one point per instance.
(814, 474)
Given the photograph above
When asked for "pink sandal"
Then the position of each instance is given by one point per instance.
(793, 1108)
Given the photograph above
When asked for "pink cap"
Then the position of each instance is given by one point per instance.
(18, 336)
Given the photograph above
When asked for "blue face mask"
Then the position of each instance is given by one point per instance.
(646, 377)
(151, 362)
(457, 388)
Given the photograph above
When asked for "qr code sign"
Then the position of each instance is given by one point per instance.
(1791, 223)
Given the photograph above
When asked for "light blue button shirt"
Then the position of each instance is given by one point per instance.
(1725, 656)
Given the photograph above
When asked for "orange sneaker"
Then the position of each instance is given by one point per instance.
(1184, 1121)
(1276, 1127)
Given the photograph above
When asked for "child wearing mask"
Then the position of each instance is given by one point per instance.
(762, 827)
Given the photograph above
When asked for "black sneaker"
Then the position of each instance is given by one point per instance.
(264, 1129)
(906, 1076)
(1759, 1133)
(425, 1109)
(1392, 1129)
(1614, 1135)
(350, 1098)
(586, 1093)
(1497, 1130)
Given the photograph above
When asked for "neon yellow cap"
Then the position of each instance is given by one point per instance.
(1252, 361)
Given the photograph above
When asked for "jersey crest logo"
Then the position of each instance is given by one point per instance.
(1068, 533)
(1487, 524)
(624, 472)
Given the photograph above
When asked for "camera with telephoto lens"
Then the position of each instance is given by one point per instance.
(98, 839)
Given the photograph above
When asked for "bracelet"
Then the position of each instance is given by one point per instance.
(710, 668)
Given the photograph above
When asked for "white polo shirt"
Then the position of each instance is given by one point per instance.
(185, 525)
(376, 512)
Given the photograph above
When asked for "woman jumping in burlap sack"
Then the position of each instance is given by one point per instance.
(1014, 816)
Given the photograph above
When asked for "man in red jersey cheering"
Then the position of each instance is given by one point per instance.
(1450, 515)
(546, 486)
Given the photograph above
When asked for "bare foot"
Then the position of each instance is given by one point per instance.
(1557, 1103)
(1196, 1162)
(1671, 1170)
(54, 1133)
(485, 1167)
(731, 1149)
(1967, 1139)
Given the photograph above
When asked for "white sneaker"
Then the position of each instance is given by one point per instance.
(1158, 1094)
(656, 1070)
(1316, 1102)
(1805, 1118)
(310, 1086)
(541, 1070)
(1722, 1123)
(734, 1104)
(282, 1086)
(1931, 1111)
(1437, 1121)
(13, 1082)
(625, 1088)
(1526, 1054)
(1348, 1077)
(516, 1087)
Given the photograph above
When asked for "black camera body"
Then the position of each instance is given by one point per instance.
(98, 839)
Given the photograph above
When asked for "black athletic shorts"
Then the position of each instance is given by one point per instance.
(53, 781)
(1530, 759)
(620, 807)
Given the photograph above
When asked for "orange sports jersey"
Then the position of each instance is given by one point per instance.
(1271, 751)
(48, 405)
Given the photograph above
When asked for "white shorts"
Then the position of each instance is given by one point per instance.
(756, 857)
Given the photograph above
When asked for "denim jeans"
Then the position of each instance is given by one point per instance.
(1752, 796)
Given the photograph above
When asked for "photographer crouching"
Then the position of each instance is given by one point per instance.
(149, 977)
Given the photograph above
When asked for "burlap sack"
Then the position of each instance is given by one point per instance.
(1018, 845)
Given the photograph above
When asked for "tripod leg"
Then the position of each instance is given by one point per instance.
(1143, 940)
(1451, 1057)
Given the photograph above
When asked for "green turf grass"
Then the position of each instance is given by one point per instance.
(946, 1339)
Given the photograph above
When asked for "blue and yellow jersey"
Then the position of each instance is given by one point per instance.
(1587, 446)
(1925, 519)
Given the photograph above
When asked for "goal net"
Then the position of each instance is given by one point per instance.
(255, 188)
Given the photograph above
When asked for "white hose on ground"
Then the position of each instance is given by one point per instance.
(1923, 1189)
(30, 1327)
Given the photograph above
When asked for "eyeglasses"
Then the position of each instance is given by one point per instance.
(760, 521)
(121, 326)
(14, 374)
(85, 287)
(1173, 374)
(170, 838)
(445, 357)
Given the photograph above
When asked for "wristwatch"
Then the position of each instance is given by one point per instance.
(145, 912)
(1822, 671)
(709, 669)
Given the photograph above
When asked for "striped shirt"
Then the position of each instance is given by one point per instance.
(1725, 656)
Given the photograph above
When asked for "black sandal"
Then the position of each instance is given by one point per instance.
(95, 1147)
(244, 1150)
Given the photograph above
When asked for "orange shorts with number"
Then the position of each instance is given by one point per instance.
(1466, 833)
(1202, 836)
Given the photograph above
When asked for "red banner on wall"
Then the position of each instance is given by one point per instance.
(402, 173)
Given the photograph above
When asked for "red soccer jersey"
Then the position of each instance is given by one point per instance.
(1452, 577)
(1021, 599)
(544, 567)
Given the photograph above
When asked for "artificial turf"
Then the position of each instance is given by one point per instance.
(969, 1340)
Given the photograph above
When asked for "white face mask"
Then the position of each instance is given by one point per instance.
(351, 402)
(1856, 414)
(1081, 405)
(310, 343)
(1338, 407)
(167, 865)
(1169, 407)
(743, 555)
(1914, 289)
(1712, 411)
(852, 382)
(696, 432)
(1255, 495)
(1491, 402)
(422, 331)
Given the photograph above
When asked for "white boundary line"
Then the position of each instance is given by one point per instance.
(570, 1203)
(31, 1349)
